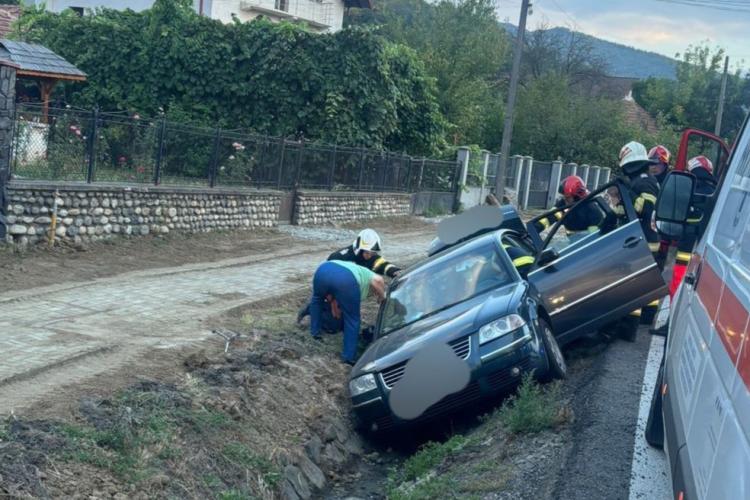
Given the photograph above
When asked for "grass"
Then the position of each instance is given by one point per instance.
(240, 454)
(278, 320)
(533, 408)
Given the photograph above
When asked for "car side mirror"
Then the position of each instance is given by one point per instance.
(675, 196)
(547, 256)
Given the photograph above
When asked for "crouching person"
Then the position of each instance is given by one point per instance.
(345, 285)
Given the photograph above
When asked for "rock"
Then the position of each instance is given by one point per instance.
(67, 221)
(288, 492)
(144, 230)
(333, 454)
(314, 447)
(31, 231)
(297, 479)
(353, 444)
(10, 219)
(312, 472)
(172, 212)
(60, 231)
(164, 229)
(18, 209)
(17, 229)
(97, 211)
(196, 360)
(43, 220)
(73, 231)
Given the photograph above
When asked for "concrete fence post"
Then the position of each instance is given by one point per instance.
(604, 176)
(554, 183)
(463, 160)
(595, 172)
(529, 161)
(573, 169)
(7, 117)
(483, 180)
(517, 165)
(583, 173)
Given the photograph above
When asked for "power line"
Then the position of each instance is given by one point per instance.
(576, 26)
(725, 5)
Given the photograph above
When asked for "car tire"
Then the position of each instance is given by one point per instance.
(557, 368)
(629, 328)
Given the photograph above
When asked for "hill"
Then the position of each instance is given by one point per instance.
(623, 61)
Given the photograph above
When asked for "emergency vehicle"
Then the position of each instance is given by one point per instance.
(705, 378)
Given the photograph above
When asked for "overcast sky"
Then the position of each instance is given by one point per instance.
(666, 28)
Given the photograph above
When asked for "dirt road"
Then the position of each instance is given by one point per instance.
(71, 333)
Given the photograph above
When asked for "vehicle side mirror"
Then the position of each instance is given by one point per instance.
(549, 255)
(675, 198)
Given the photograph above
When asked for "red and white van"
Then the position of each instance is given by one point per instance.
(705, 385)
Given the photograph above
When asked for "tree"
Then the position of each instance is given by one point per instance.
(692, 99)
(463, 47)
(352, 87)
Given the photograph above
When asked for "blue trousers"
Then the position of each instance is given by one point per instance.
(339, 282)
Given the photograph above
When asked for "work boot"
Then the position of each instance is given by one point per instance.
(628, 328)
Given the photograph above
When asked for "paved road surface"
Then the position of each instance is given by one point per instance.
(61, 334)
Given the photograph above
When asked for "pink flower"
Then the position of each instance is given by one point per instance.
(237, 146)
(122, 159)
(140, 170)
(136, 116)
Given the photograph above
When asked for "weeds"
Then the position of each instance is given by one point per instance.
(533, 408)
(240, 454)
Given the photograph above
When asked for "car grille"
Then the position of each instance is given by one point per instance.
(447, 405)
(391, 375)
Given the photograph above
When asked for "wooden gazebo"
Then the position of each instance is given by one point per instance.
(38, 63)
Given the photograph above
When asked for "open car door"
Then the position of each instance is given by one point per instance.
(589, 280)
(697, 142)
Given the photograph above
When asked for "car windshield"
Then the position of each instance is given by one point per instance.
(451, 280)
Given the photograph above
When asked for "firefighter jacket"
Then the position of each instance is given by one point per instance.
(522, 260)
(586, 216)
(375, 263)
(644, 190)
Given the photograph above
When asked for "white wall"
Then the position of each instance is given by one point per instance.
(217, 9)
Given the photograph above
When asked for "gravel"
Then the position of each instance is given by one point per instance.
(319, 233)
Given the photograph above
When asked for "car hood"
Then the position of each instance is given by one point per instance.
(453, 323)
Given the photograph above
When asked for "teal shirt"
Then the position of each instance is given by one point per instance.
(363, 276)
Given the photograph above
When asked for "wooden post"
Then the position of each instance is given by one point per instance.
(45, 90)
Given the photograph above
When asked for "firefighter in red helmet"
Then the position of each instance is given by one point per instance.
(586, 218)
(703, 170)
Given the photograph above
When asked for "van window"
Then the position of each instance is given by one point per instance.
(734, 213)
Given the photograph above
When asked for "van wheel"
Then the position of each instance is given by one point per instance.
(557, 368)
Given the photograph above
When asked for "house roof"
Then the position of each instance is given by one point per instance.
(37, 60)
(8, 14)
(359, 4)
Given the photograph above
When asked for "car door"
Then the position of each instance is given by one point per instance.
(599, 278)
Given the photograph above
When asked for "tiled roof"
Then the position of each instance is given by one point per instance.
(36, 58)
(8, 14)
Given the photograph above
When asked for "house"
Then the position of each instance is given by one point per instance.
(621, 88)
(319, 15)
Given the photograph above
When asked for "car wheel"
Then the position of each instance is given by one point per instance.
(557, 369)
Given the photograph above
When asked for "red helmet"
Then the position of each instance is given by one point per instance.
(660, 154)
(701, 162)
(574, 187)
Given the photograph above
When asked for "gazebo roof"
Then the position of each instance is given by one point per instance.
(37, 60)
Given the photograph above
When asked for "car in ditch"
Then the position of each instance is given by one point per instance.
(500, 325)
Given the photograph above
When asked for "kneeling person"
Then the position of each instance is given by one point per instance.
(345, 285)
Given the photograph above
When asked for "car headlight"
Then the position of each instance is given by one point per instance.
(363, 384)
(500, 327)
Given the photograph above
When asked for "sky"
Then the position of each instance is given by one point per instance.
(654, 25)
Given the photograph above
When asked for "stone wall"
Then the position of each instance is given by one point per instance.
(92, 212)
(319, 207)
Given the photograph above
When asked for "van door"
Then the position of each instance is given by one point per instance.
(598, 277)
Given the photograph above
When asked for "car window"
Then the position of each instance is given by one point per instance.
(452, 279)
(585, 222)
(513, 240)
(735, 213)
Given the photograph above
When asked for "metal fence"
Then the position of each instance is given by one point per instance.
(93, 146)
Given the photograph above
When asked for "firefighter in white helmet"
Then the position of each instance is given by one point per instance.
(364, 251)
(644, 190)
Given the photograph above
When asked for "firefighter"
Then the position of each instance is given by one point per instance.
(644, 190)
(703, 170)
(522, 260)
(365, 251)
(661, 157)
(586, 218)
(344, 285)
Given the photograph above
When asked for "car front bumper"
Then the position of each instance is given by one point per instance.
(496, 368)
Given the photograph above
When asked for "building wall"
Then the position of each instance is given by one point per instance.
(216, 9)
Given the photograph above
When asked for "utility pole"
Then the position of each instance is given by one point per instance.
(509, 109)
(720, 112)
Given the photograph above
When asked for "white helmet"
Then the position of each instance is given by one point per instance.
(367, 240)
(634, 158)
